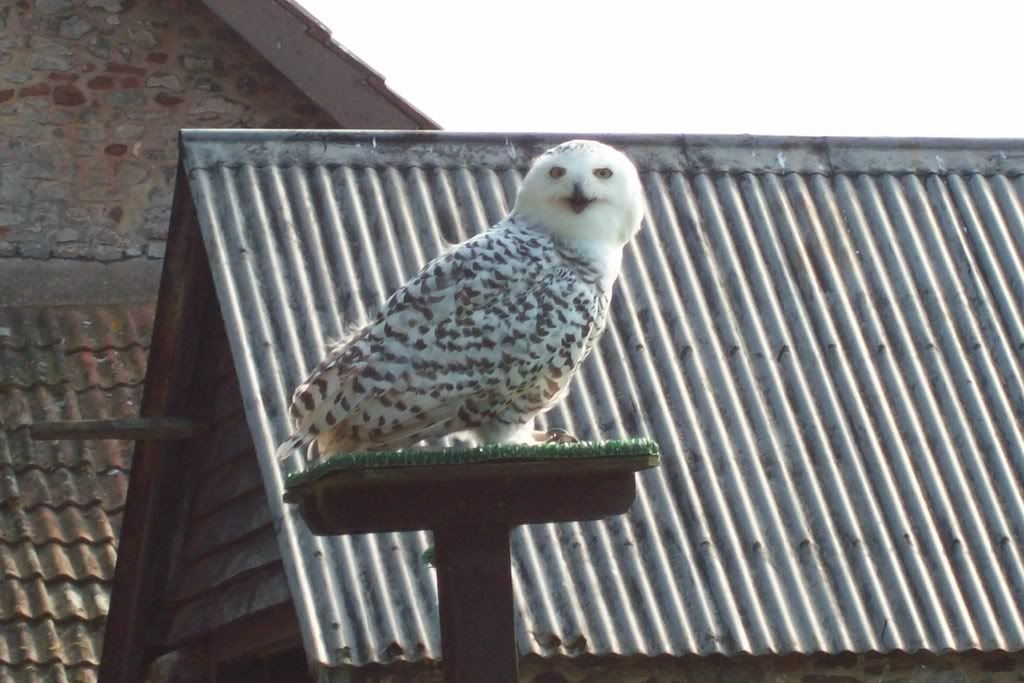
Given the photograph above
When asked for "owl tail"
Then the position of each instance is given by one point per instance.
(297, 440)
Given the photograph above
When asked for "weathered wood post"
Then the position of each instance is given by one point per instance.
(471, 498)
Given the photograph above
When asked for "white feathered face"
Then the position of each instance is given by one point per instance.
(583, 190)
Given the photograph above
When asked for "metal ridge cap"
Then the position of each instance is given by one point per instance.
(695, 153)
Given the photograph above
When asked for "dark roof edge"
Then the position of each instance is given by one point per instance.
(308, 65)
(741, 153)
(185, 295)
(319, 31)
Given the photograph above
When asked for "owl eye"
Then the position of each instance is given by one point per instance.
(603, 173)
(556, 172)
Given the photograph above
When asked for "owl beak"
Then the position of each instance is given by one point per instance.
(578, 201)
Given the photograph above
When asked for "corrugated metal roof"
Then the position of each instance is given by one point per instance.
(826, 336)
(61, 501)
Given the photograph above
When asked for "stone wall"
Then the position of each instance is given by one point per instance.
(92, 95)
(848, 668)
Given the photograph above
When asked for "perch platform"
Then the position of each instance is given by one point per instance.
(471, 498)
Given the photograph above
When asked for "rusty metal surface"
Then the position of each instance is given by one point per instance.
(826, 337)
(61, 502)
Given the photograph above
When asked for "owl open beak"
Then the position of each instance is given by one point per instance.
(577, 200)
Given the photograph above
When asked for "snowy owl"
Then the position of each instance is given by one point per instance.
(489, 334)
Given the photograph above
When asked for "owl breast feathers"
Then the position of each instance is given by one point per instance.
(483, 339)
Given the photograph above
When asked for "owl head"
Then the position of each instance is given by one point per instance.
(583, 191)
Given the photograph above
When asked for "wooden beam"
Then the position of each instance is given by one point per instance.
(133, 428)
(474, 592)
(265, 633)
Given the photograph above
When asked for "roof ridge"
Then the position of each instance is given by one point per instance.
(50, 580)
(76, 391)
(93, 503)
(25, 540)
(25, 664)
(22, 618)
(76, 349)
(8, 386)
(761, 154)
(94, 306)
(56, 579)
(54, 541)
(59, 508)
(690, 173)
(102, 540)
(321, 54)
(33, 467)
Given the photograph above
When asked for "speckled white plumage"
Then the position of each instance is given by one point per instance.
(488, 335)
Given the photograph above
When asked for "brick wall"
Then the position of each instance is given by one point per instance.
(92, 95)
(895, 668)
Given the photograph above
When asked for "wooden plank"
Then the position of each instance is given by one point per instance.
(227, 397)
(131, 428)
(434, 474)
(218, 486)
(238, 518)
(474, 589)
(226, 564)
(232, 441)
(429, 465)
(270, 663)
(190, 664)
(251, 593)
(413, 505)
(271, 631)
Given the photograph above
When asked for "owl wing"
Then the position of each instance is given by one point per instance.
(503, 355)
(472, 325)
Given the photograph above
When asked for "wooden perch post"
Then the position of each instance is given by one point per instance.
(471, 498)
(132, 428)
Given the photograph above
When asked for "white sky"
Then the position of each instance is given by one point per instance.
(861, 67)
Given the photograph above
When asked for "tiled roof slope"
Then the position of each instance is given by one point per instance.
(61, 501)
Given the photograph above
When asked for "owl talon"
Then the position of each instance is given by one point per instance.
(555, 436)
